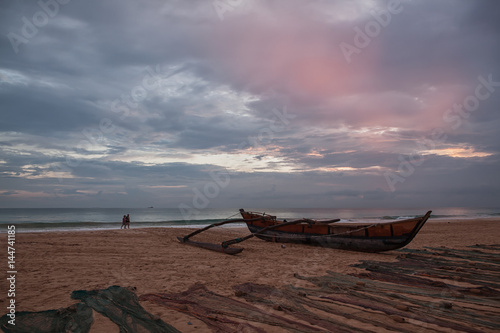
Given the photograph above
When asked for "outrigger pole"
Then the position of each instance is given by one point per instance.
(224, 246)
(211, 246)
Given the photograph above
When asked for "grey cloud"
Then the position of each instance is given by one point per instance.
(218, 84)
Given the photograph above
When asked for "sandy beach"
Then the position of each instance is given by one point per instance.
(52, 265)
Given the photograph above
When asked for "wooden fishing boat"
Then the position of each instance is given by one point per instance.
(366, 237)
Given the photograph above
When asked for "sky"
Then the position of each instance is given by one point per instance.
(250, 103)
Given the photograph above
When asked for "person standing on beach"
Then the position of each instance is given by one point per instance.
(128, 221)
(124, 222)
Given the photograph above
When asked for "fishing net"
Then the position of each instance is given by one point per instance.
(434, 288)
(421, 290)
(122, 307)
(74, 319)
(223, 314)
(119, 304)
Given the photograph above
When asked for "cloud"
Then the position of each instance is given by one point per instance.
(100, 111)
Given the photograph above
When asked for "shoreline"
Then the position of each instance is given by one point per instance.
(151, 260)
(137, 225)
(77, 230)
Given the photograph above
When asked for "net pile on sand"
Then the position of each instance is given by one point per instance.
(76, 318)
(119, 304)
(122, 307)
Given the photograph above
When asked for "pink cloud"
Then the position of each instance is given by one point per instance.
(297, 55)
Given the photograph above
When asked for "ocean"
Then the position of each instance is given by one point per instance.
(76, 219)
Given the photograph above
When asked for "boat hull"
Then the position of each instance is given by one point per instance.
(376, 237)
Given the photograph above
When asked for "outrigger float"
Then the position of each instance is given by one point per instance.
(364, 237)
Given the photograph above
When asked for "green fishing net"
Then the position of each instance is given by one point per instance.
(122, 307)
(119, 304)
(75, 319)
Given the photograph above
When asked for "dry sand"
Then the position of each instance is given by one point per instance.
(51, 265)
